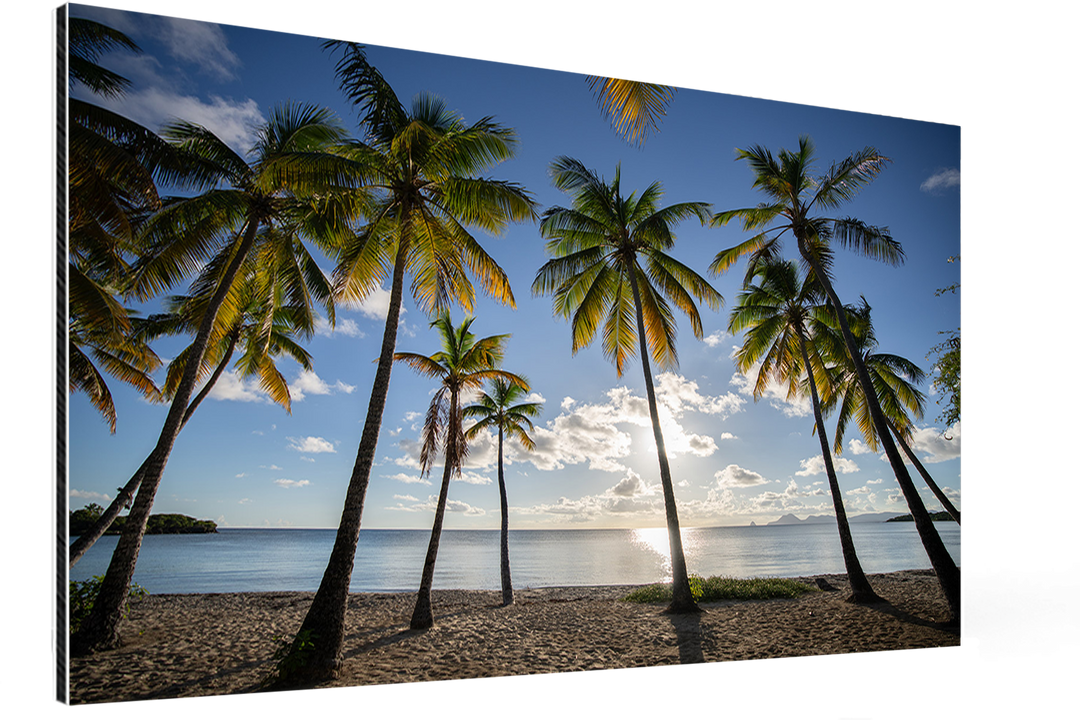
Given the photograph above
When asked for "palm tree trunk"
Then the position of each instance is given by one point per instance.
(101, 630)
(324, 624)
(861, 592)
(949, 507)
(947, 573)
(422, 617)
(123, 497)
(682, 598)
(504, 536)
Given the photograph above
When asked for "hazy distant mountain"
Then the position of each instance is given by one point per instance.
(790, 519)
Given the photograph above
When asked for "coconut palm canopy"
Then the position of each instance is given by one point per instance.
(594, 463)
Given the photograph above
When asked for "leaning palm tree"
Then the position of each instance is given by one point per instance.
(499, 409)
(633, 107)
(596, 277)
(112, 163)
(424, 163)
(778, 314)
(796, 199)
(463, 365)
(291, 181)
(275, 304)
(894, 379)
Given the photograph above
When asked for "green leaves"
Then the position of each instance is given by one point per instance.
(599, 246)
(796, 195)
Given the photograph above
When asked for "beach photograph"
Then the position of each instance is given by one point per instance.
(384, 364)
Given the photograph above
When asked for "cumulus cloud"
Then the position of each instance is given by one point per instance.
(410, 479)
(230, 386)
(734, 476)
(376, 305)
(858, 447)
(934, 446)
(715, 338)
(816, 465)
(311, 445)
(430, 505)
(342, 326)
(775, 393)
(307, 382)
(89, 495)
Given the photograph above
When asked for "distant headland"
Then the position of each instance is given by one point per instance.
(791, 519)
(79, 521)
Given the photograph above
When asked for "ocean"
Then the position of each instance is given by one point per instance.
(250, 559)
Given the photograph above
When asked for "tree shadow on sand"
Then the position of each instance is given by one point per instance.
(688, 635)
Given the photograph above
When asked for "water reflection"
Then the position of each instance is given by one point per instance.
(657, 542)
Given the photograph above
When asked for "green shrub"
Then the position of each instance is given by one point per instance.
(719, 588)
(81, 596)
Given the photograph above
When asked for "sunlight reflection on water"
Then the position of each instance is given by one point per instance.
(656, 540)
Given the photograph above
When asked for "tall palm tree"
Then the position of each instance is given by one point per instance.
(111, 166)
(424, 163)
(276, 304)
(778, 315)
(595, 276)
(463, 365)
(499, 409)
(796, 197)
(634, 107)
(291, 181)
(894, 379)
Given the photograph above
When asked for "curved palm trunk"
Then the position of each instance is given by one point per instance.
(861, 592)
(504, 536)
(682, 599)
(126, 493)
(422, 618)
(945, 503)
(947, 573)
(324, 624)
(101, 630)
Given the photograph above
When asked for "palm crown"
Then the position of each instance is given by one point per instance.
(500, 409)
(596, 275)
(463, 365)
(796, 197)
(423, 163)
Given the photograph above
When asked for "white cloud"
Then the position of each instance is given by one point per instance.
(311, 445)
(342, 326)
(816, 465)
(775, 393)
(240, 475)
(376, 305)
(406, 498)
(933, 446)
(728, 436)
(269, 467)
(291, 483)
(89, 495)
(410, 479)
(201, 43)
(430, 505)
(944, 178)
(858, 447)
(471, 478)
(307, 382)
(734, 476)
(230, 386)
(715, 338)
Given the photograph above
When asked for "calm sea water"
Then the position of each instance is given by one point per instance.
(239, 560)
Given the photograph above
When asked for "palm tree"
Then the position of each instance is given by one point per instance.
(778, 315)
(595, 276)
(499, 408)
(111, 166)
(633, 107)
(425, 165)
(796, 196)
(291, 181)
(463, 365)
(894, 379)
(276, 304)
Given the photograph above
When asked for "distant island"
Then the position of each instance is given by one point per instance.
(79, 521)
(791, 519)
(933, 516)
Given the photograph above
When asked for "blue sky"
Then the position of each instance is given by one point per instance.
(243, 461)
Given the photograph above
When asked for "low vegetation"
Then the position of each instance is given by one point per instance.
(718, 588)
(81, 596)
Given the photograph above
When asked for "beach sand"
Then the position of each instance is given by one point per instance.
(216, 644)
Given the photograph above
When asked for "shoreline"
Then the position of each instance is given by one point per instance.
(186, 645)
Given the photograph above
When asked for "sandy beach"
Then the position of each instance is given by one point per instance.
(216, 644)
